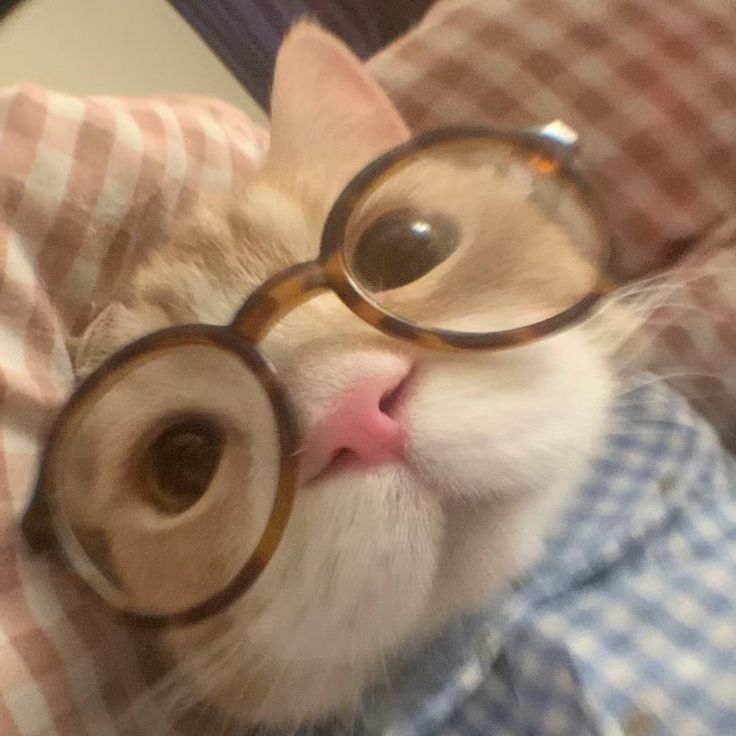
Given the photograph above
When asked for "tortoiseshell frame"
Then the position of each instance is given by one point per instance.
(270, 303)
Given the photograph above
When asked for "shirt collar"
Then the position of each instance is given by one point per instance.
(658, 456)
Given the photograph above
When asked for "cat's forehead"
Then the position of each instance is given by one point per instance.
(281, 222)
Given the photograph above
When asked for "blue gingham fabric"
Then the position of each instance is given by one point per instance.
(627, 626)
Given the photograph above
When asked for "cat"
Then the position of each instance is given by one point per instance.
(375, 558)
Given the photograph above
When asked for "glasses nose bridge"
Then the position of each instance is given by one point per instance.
(276, 297)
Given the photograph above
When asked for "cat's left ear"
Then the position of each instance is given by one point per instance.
(327, 112)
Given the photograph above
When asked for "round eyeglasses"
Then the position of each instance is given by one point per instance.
(460, 239)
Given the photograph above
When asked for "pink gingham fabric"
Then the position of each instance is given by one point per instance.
(86, 187)
(89, 185)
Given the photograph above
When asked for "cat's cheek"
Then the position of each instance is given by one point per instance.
(474, 454)
(479, 433)
(352, 580)
(488, 544)
(353, 572)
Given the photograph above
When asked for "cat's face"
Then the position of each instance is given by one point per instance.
(380, 549)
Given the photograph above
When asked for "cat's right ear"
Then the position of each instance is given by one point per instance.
(327, 113)
(112, 328)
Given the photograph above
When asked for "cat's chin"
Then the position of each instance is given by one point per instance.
(368, 569)
(375, 560)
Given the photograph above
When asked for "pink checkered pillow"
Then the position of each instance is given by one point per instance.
(650, 85)
(86, 187)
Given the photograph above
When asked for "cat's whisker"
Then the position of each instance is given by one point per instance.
(628, 433)
(646, 305)
(660, 312)
(186, 703)
(168, 698)
(615, 328)
(156, 699)
(692, 397)
(651, 379)
(208, 662)
(147, 717)
(635, 422)
(246, 681)
(668, 281)
(682, 275)
(173, 694)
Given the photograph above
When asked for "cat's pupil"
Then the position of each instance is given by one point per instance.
(183, 460)
(402, 246)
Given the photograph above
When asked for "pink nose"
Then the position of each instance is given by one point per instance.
(360, 424)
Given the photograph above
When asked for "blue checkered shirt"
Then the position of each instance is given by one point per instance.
(627, 626)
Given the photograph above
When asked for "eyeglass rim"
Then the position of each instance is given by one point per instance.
(269, 303)
(337, 274)
(42, 524)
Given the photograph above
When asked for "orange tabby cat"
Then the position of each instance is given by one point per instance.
(381, 550)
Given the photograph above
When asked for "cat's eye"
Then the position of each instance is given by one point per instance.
(181, 463)
(171, 466)
(401, 246)
(490, 236)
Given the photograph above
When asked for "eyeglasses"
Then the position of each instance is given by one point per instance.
(460, 239)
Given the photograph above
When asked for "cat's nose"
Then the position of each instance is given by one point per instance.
(361, 426)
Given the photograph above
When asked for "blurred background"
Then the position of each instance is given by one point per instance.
(221, 48)
(134, 47)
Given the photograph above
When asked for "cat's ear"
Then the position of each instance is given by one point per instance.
(326, 110)
(113, 327)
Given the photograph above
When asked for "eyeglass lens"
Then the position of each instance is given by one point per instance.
(476, 236)
(168, 478)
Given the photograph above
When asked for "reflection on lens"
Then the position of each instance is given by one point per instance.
(165, 477)
(474, 235)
